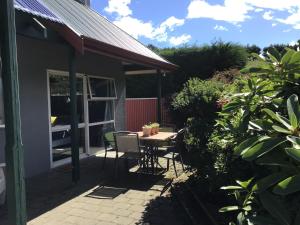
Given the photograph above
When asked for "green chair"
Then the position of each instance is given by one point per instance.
(109, 144)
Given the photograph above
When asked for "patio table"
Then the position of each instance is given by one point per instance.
(152, 143)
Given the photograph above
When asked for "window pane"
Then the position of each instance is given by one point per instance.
(97, 136)
(61, 144)
(100, 111)
(60, 100)
(102, 88)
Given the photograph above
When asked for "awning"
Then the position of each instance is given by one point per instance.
(87, 30)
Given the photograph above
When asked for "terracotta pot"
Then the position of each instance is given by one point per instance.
(147, 131)
(153, 131)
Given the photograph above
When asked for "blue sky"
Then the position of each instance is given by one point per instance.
(169, 23)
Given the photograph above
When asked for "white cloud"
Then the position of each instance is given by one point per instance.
(287, 30)
(220, 28)
(232, 11)
(172, 22)
(119, 6)
(237, 11)
(268, 15)
(274, 24)
(138, 28)
(293, 19)
(183, 39)
(135, 27)
(292, 43)
(258, 10)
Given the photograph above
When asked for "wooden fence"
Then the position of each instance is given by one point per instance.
(140, 111)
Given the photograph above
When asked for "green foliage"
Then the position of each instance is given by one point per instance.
(195, 106)
(197, 61)
(262, 121)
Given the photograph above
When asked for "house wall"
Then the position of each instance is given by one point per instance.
(34, 58)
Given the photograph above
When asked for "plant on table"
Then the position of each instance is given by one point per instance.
(147, 130)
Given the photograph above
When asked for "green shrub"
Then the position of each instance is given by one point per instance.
(195, 106)
(262, 121)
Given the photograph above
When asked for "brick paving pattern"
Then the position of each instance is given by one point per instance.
(98, 199)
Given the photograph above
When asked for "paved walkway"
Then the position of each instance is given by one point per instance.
(99, 199)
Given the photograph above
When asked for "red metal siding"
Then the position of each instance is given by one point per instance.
(140, 112)
(143, 111)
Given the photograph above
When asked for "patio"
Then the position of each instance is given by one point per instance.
(98, 198)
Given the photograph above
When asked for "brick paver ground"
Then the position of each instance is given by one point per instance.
(99, 199)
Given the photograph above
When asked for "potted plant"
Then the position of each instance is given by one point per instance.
(155, 128)
(147, 129)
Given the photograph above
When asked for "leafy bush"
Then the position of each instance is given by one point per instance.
(263, 121)
(197, 61)
(195, 106)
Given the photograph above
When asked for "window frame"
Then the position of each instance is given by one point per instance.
(90, 96)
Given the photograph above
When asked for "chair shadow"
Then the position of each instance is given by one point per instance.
(50, 190)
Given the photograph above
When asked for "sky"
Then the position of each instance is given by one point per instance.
(175, 23)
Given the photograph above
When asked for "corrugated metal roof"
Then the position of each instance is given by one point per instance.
(35, 8)
(87, 23)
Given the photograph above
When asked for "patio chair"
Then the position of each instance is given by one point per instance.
(173, 151)
(109, 144)
(128, 143)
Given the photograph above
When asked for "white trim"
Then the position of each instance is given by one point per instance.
(2, 126)
(86, 117)
(140, 72)
(101, 123)
(66, 127)
(102, 99)
(91, 98)
(49, 119)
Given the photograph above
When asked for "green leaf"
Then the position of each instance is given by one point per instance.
(287, 56)
(293, 110)
(245, 145)
(244, 184)
(275, 208)
(273, 159)
(267, 182)
(295, 60)
(281, 130)
(273, 51)
(293, 139)
(278, 118)
(294, 153)
(231, 106)
(231, 188)
(288, 186)
(262, 148)
(229, 208)
(273, 58)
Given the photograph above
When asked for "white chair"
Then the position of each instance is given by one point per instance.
(128, 143)
(2, 184)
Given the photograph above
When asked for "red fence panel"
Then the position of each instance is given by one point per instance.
(139, 112)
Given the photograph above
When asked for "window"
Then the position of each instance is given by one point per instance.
(101, 88)
(60, 100)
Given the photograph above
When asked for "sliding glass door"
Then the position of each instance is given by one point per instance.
(95, 109)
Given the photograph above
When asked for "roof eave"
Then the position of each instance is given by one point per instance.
(95, 46)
